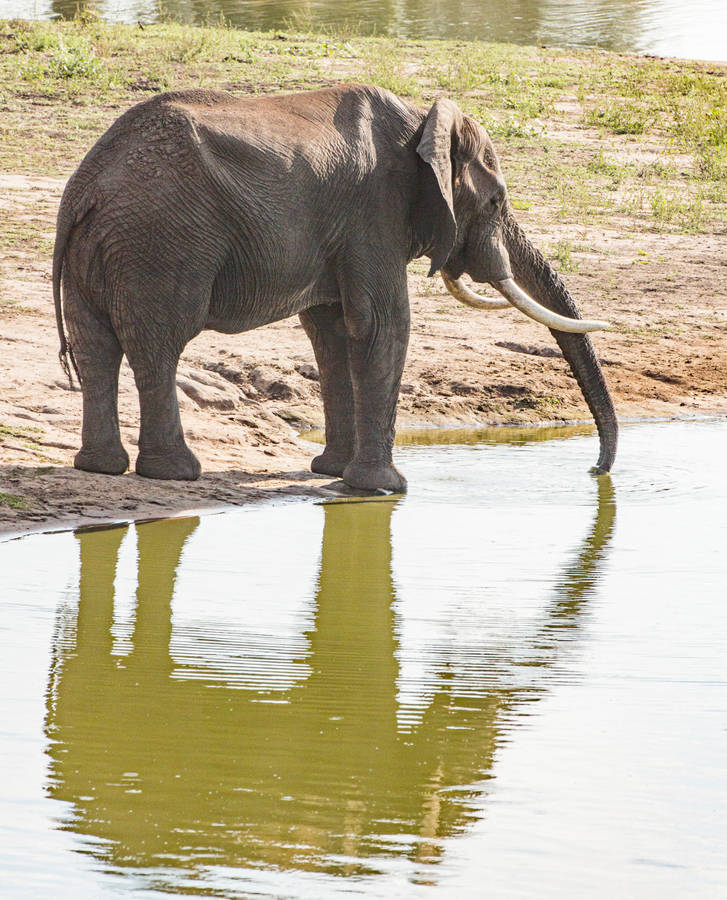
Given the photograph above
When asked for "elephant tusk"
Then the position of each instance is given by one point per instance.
(520, 300)
(462, 293)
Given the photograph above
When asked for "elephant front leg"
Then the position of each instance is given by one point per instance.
(325, 326)
(378, 329)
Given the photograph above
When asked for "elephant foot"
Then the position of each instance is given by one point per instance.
(374, 477)
(329, 463)
(173, 465)
(113, 460)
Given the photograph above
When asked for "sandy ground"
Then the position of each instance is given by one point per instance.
(245, 398)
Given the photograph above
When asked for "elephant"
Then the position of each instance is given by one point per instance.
(202, 210)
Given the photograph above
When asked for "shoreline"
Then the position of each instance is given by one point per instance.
(305, 485)
(171, 513)
(614, 169)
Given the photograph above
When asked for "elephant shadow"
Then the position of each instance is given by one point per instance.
(167, 772)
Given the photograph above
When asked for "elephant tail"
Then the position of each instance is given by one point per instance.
(66, 221)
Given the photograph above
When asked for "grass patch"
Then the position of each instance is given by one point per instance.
(27, 235)
(23, 431)
(13, 501)
(26, 434)
(675, 208)
(384, 66)
(561, 254)
(619, 118)
(64, 82)
(611, 173)
(671, 209)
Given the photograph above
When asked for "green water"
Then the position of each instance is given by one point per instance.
(511, 435)
(697, 29)
(510, 683)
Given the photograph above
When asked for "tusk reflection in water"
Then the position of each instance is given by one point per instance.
(171, 773)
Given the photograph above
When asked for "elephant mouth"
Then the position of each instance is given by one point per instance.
(515, 296)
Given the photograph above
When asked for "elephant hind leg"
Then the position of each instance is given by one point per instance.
(98, 356)
(163, 452)
(155, 314)
(325, 326)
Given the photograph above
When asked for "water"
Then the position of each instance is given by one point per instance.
(510, 683)
(697, 29)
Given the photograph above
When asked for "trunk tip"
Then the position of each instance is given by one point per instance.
(600, 470)
(607, 455)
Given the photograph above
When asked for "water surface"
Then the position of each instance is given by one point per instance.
(512, 678)
(697, 29)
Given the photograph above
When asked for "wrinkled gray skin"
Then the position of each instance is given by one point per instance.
(202, 210)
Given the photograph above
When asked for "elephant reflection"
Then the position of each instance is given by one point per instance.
(168, 770)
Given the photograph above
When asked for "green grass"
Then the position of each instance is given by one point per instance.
(25, 434)
(619, 118)
(24, 431)
(610, 172)
(26, 235)
(561, 254)
(13, 501)
(671, 209)
(687, 212)
(382, 65)
(65, 82)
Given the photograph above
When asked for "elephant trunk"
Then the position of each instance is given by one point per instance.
(535, 275)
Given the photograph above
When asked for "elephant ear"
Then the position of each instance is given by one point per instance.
(438, 141)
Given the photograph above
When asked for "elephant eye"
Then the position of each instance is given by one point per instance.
(497, 199)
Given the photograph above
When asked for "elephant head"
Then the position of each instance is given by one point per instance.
(473, 231)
